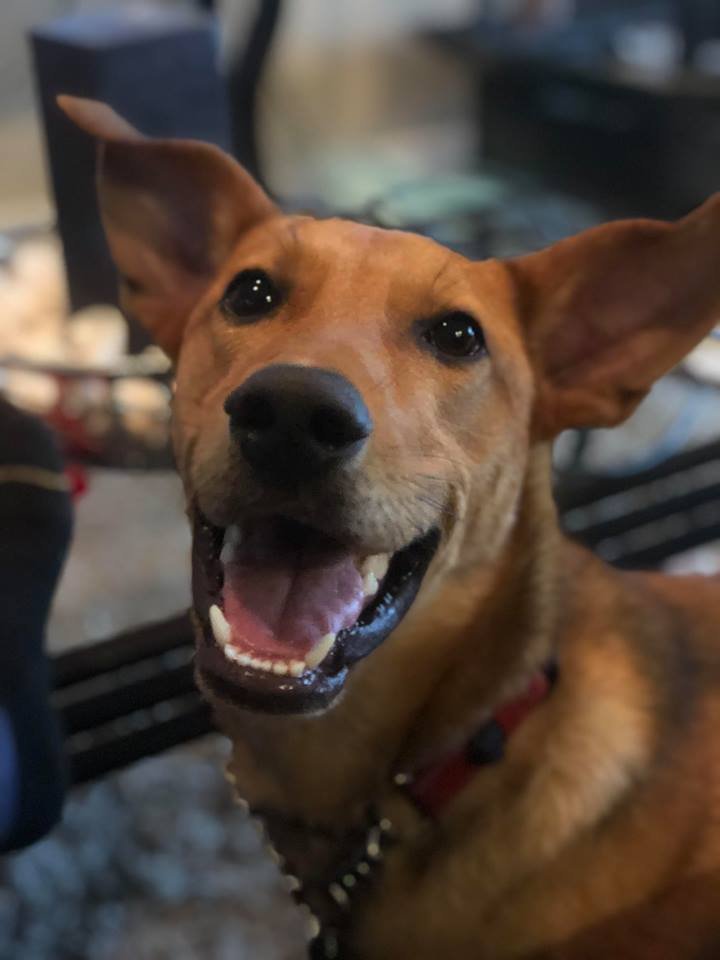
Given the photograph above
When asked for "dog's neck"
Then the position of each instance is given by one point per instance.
(468, 646)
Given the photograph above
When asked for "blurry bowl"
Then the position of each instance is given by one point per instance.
(115, 416)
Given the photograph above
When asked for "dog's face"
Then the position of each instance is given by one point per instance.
(354, 406)
(358, 422)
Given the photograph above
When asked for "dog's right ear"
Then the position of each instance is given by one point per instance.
(172, 210)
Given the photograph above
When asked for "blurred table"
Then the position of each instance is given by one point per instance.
(557, 105)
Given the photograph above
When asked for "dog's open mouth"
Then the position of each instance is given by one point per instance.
(285, 610)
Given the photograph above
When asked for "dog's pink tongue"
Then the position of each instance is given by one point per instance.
(280, 597)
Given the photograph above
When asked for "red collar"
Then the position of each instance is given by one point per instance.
(433, 787)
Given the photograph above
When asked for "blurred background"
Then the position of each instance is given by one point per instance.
(496, 127)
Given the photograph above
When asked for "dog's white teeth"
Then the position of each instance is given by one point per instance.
(377, 564)
(370, 584)
(321, 649)
(373, 569)
(227, 553)
(220, 627)
(296, 668)
(233, 534)
(256, 663)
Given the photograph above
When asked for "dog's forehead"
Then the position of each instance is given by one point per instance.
(333, 242)
(328, 234)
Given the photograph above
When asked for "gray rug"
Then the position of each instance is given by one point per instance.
(154, 863)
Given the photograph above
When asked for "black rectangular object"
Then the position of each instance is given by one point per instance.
(581, 133)
(158, 67)
(635, 148)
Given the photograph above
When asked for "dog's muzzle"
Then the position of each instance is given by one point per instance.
(286, 608)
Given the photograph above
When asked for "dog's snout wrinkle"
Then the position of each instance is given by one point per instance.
(294, 423)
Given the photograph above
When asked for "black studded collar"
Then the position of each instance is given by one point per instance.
(351, 859)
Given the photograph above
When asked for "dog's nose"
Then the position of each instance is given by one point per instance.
(294, 423)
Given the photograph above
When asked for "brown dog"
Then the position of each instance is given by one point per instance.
(363, 423)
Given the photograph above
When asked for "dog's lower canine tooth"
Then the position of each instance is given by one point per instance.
(220, 627)
(233, 535)
(227, 553)
(377, 564)
(370, 584)
(321, 649)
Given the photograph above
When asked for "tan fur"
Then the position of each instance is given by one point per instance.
(598, 835)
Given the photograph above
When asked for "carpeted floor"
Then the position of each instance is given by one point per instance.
(155, 863)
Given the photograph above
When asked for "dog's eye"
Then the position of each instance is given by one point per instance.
(456, 335)
(251, 294)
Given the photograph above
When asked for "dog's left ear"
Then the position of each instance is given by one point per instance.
(606, 313)
(172, 211)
